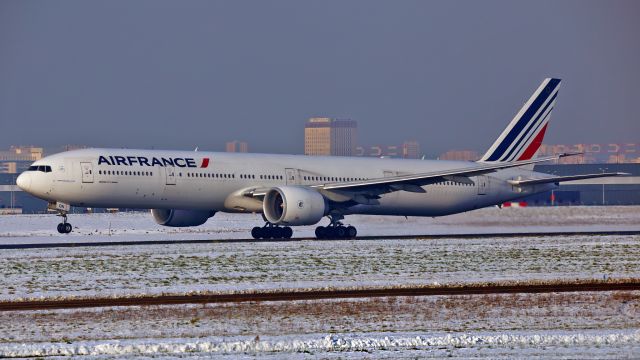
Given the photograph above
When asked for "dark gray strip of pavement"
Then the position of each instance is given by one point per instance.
(380, 237)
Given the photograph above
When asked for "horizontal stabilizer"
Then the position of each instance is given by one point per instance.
(559, 179)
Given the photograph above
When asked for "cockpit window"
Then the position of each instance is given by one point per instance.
(41, 168)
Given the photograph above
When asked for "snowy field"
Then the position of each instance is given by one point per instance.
(140, 225)
(570, 325)
(230, 267)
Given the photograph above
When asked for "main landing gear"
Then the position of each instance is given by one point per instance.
(336, 230)
(271, 231)
(64, 227)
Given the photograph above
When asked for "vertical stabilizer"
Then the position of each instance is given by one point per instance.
(523, 136)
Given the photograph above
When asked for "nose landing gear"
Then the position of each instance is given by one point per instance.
(336, 230)
(271, 231)
(64, 227)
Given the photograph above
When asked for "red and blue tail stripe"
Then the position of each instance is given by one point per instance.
(524, 135)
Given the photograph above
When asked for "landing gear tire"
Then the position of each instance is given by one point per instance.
(276, 233)
(351, 232)
(270, 231)
(64, 228)
(336, 232)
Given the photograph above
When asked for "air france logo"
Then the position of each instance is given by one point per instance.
(153, 161)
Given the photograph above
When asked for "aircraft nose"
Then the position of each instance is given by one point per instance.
(24, 181)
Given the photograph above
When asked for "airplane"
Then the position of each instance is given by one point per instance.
(186, 188)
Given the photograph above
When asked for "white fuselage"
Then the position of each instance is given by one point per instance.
(155, 179)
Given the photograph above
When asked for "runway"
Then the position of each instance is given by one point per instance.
(471, 289)
(381, 237)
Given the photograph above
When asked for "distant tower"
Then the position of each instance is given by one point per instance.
(326, 136)
(237, 146)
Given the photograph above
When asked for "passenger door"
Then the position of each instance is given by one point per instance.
(87, 172)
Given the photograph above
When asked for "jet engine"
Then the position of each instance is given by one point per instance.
(181, 218)
(292, 205)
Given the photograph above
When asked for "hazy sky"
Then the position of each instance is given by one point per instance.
(181, 74)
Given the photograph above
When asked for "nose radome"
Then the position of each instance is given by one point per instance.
(24, 181)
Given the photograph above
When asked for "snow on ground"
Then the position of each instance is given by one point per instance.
(225, 267)
(428, 314)
(580, 344)
(571, 325)
(140, 225)
(577, 325)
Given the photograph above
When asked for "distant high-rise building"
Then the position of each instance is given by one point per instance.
(70, 147)
(408, 150)
(460, 155)
(237, 146)
(593, 153)
(326, 136)
(18, 158)
(317, 136)
(411, 149)
(22, 153)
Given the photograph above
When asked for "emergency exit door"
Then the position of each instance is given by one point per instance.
(170, 175)
(483, 184)
(292, 176)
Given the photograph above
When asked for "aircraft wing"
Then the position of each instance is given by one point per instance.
(559, 179)
(368, 191)
(460, 175)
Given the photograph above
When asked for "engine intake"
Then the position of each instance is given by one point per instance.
(292, 205)
(181, 218)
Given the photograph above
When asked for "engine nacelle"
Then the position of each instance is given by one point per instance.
(292, 205)
(181, 218)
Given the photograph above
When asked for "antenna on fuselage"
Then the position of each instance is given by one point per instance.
(196, 149)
